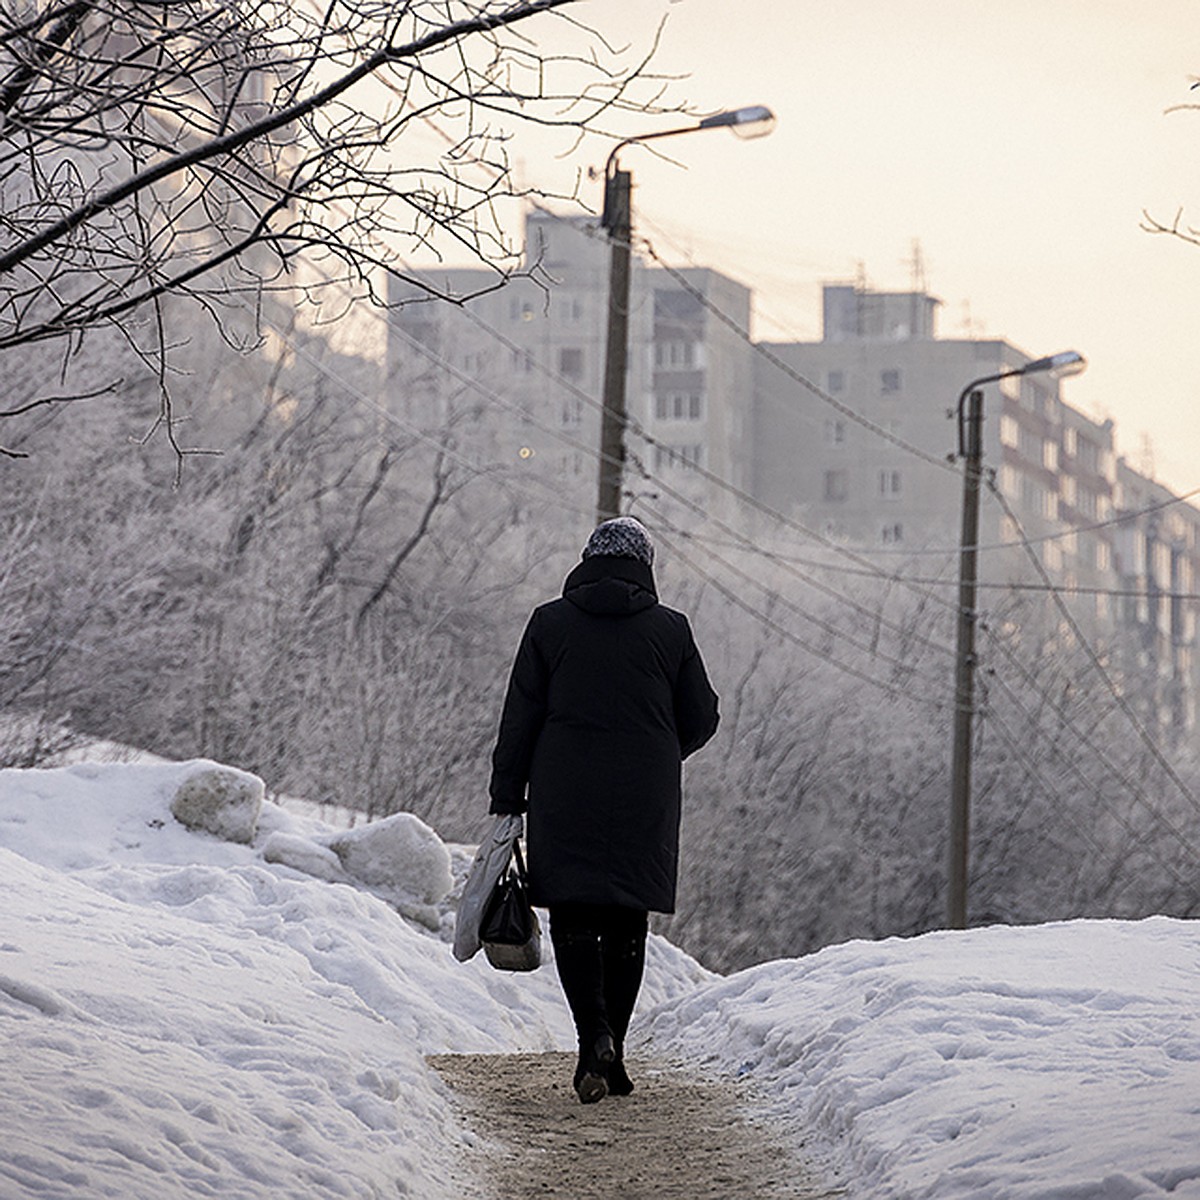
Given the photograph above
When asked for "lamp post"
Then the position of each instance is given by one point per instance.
(970, 449)
(617, 220)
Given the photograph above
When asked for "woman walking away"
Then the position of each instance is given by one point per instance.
(608, 696)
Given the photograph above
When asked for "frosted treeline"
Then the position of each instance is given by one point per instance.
(333, 603)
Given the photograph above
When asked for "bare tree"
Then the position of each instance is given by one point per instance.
(1177, 226)
(198, 148)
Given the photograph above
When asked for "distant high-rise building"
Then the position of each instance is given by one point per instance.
(514, 375)
(871, 462)
(851, 436)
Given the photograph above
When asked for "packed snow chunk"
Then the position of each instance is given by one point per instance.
(399, 852)
(303, 854)
(220, 800)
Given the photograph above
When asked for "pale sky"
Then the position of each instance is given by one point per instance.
(1017, 141)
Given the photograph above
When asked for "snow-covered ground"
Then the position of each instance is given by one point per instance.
(182, 1015)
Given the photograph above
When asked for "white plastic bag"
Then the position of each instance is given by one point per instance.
(491, 861)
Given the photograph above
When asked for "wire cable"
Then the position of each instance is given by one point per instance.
(1070, 589)
(675, 494)
(1062, 810)
(1094, 658)
(1097, 794)
(718, 482)
(661, 522)
(769, 622)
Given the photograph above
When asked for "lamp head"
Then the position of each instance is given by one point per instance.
(1068, 362)
(755, 121)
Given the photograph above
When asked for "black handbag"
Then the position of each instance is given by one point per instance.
(510, 931)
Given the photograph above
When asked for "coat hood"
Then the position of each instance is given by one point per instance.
(608, 585)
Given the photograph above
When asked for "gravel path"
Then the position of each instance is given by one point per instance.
(678, 1137)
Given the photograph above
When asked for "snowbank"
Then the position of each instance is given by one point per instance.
(1060, 1062)
(183, 1015)
(180, 1017)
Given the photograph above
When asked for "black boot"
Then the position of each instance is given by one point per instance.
(591, 1074)
(624, 961)
(581, 972)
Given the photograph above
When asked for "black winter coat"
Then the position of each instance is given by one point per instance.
(608, 696)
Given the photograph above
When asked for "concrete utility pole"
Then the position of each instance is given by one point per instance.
(964, 671)
(970, 449)
(618, 221)
(618, 187)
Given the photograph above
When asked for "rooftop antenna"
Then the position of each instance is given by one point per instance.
(918, 287)
(860, 292)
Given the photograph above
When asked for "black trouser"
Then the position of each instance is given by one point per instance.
(600, 950)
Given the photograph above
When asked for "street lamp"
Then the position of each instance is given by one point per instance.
(970, 448)
(754, 121)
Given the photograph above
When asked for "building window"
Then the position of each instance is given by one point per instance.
(1037, 499)
(678, 406)
(572, 410)
(674, 458)
(1032, 494)
(893, 533)
(1010, 431)
(889, 381)
(889, 484)
(835, 381)
(675, 355)
(1030, 446)
(570, 362)
(836, 486)
(1088, 454)
(835, 432)
(1033, 397)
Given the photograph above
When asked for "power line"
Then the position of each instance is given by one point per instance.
(1070, 589)
(591, 451)
(769, 622)
(1093, 657)
(851, 414)
(790, 371)
(1062, 534)
(761, 617)
(490, 396)
(825, 626)
(867, 567)
(1097, 794)
(639, 431)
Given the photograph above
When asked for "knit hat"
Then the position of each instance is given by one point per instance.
(623, 537)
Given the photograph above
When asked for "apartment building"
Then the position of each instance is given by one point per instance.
(854, 435)
(835, 461)
(1156, 560)
(842, 457)
(515, 373)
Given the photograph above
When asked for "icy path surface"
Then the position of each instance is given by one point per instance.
(682, 1135)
